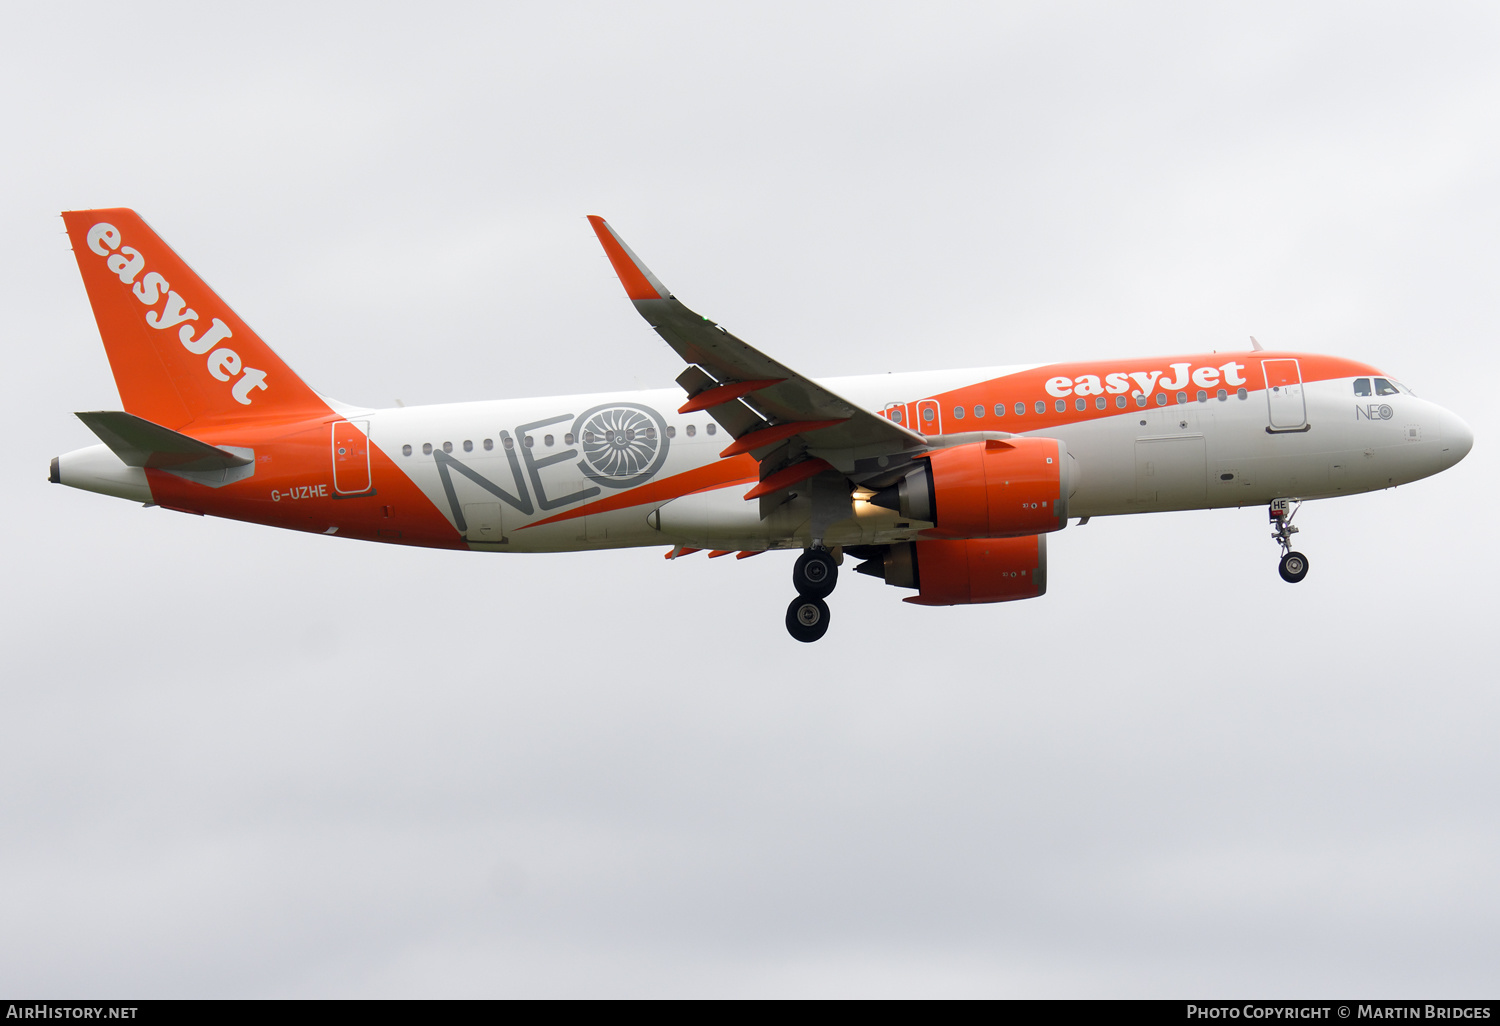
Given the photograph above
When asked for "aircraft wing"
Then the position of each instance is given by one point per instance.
(762, 403)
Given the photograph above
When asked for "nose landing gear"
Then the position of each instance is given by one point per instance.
(1293, 564)
(814, 576)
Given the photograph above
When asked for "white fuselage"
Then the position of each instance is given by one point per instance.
(1192, 455)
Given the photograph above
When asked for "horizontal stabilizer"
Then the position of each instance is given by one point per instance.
(140, 443)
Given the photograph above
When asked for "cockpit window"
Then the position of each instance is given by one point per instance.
(1361, 386)
(1384, 387)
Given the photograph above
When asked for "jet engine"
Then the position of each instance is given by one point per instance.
(991, 489)
(964, 572)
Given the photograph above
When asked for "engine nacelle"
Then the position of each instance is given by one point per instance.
(973, 570)
(990, 489)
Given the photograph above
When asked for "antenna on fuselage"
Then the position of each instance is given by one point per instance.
(1256, 345)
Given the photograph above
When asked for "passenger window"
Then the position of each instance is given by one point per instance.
(1361, 386)
(547, 441)
(928, 414)
(489, 443)
(979, 411)
(1100, 403)
(651, 433)
(1161, 398)
(1020, 409)
(508, 442)
(528, 441)
(1140, 399)
(468, 445)
(1243, 394)
(1202, 396)
(406, 450)
(958, 413)
(1000, 409)
(1181, 398)
(1041, 405)
(671, 431)
(1119, 402)
(896, 416)
(1062, 405)
(447, 446)
(568, 438)
(712, 428)
(1223, 395)
(1384, 387)
(426, 448)
(691, 430)
(1082, 404)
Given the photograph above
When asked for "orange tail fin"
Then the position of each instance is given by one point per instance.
(178, 353)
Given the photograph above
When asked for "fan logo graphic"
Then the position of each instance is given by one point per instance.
(623, 444)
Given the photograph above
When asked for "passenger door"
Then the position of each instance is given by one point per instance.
(351, 457)
(1286, 406)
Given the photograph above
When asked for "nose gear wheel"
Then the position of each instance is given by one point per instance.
(1293, 567)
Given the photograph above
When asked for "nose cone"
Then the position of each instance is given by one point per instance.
(1458, 438)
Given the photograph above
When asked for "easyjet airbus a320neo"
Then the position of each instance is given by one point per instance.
(945, 483)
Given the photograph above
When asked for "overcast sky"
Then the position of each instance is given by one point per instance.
(240, 761)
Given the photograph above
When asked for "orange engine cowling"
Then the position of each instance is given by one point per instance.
(989, 489)
(967, 571)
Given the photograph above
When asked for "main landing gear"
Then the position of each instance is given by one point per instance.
(1293, 564)
(814, 577)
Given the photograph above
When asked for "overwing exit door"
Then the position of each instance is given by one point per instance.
(1287, 406)
(929, 417)
(351, 457)
(924, 416)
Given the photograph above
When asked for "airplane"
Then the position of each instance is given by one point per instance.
(943, 483)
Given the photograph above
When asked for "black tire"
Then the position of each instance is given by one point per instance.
(815, 574)
(807, 618)
(1293, 567)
